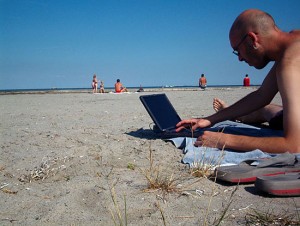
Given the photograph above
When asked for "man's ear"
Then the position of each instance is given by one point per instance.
(254, 37)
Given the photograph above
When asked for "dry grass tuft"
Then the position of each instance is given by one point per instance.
(159, 179)
(48, 168)
(206, 166)
(203, 170)
(256, 217)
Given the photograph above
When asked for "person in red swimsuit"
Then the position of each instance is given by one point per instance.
(246, 80)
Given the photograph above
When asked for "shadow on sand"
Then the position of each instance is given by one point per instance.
(145, 134)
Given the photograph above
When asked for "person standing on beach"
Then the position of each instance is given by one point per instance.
(246, 81)
(119, 87)
(95, 83)
(202, 82)
(257, 40)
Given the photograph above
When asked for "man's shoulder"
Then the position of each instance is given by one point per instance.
(294, 38)
(292, 51)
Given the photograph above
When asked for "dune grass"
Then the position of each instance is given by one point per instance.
(159, 179)
(269, 217)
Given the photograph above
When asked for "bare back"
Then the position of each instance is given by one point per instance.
(118, 86)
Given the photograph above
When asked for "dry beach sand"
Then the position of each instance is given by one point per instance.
(82, 158)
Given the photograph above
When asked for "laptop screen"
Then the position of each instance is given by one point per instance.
(161, 111)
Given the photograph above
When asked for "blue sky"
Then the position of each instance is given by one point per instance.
(62, 43)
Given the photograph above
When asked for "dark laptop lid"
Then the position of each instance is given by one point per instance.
(161, 111)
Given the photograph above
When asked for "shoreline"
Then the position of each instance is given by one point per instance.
(131, 90)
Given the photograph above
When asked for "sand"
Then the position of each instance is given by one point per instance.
(77, 158)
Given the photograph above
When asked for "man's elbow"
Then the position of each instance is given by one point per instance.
(293, 146)
(295, 150)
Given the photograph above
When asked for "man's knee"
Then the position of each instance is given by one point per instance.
(271, 111)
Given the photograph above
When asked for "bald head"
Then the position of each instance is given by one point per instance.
(252, 20)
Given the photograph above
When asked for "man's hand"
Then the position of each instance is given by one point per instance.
(211, 139)
(192, 124)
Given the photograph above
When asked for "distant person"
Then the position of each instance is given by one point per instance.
(256, 40)
(95, 83)
(246, 80)
(202, 82)
(140, 89)
(102, 87)
(119, 87)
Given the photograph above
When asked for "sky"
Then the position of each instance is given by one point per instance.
(62, 43)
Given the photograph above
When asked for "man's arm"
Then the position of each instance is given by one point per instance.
(243, 143)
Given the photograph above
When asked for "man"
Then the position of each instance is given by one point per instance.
(119, 87)
(257, 40)
(202, 82)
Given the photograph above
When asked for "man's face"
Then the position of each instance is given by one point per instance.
(244, 49)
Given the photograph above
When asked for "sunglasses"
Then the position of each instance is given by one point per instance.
(235, 51)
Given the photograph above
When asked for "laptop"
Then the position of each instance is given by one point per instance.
(164, 115)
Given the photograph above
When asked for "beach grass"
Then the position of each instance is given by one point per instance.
(159, 179)
(269, 217)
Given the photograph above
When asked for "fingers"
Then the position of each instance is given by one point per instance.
(198, 142)
(201, 141)
(211, 139)
(192, 124)
(194, 127)
(179, 128)
(183, 125)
